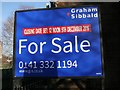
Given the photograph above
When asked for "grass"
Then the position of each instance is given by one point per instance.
(7, 65)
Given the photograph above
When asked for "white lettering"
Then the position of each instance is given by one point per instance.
(68, 46)
(82, 46)
(73, 10)
(76, 44)
(36, 48)
(41, 46)
(53, 43)
(21, 46)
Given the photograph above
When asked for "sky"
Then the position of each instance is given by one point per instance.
(89, 0)
(0, 21)
(7, 9)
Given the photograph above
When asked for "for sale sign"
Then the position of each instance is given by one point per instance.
(62, 42)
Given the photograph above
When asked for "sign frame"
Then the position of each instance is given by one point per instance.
(101, 42)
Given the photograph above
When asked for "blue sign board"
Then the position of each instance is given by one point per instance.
(62, 42)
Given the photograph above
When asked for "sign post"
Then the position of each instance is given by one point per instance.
(62, 42)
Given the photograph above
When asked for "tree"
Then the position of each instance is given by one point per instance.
(7, 36)
(7, 39)
(7, 33)
(67, 4)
